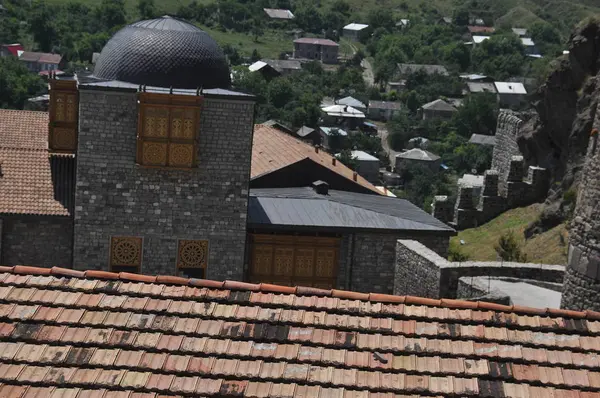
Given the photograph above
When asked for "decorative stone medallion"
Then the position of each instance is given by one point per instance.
(126, 251)
(192, 254)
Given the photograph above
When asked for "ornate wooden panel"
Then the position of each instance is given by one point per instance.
(294, 260)
(154, 153)
(125, 253)
(192, 254)
(63, 115)
(173, 120)
(181, 155)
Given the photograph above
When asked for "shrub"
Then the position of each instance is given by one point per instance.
(509, 249)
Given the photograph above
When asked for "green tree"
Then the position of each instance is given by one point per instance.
(280, 92)
(461, 17)
(258, 28)
(380, 18)
(42, 27)
(347, 159)
(146, 9)
(457, 54)
(478, 114)
(509, 249)
(501, 56)
(111, 13)
(17, 84)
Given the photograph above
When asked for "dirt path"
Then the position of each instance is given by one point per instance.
(368, 75)
(383, 133)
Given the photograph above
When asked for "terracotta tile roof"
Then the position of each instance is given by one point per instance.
(94, 333)
(26, 183)
(273, 149)
(23, 129)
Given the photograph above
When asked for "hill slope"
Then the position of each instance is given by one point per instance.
(546, 248)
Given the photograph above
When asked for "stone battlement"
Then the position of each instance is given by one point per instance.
(505, 186)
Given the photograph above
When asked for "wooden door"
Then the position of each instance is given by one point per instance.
(294, 260)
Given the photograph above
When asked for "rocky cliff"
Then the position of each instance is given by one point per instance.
(557, 138)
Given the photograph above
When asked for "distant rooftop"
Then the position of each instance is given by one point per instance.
(439, 105)
(471, 180)
(418, 154)
(355, 26)
(304, 131)
(313, 40)
(481, 87)
(481, 29)
(480, 139)
(343, 111)
(480, 39)
(520, 31)
(364, 156)
(527, 42)
(278, 13)
(351, 101)
(329, 130)
(510, 88)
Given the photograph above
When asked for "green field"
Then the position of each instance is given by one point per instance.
(546, 248)
(270, 45)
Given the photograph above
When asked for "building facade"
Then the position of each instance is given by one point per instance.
(323, 50)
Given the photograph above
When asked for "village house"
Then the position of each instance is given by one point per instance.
(323, 50)
(481, 30)
(521, 32)
(475, 87)
(328, 134)
(530, 47)
(310, 135)
(41, 62)
(417, 156)
(13, 50)
(383, 110)
(342, 115)
(438, 109)
(366, 165)
(352, 31)
(511, 94)
(480, 139)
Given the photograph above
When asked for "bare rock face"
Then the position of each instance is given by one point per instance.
(557, 138)
(566, 105)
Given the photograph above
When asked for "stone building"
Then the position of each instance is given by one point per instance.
(323, 50)
(582, 281)
(146, 167)
(161, 158)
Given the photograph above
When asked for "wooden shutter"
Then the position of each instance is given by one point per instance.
(63, 115)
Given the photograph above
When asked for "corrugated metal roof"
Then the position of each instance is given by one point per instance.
(343, 111)
(338, 209)
(527, 42)
(481, 87)
(418, 154)
(439, 105)
(351, 101)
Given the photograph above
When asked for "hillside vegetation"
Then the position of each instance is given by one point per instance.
(546, 248)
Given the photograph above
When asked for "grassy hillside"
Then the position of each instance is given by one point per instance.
(547, 248)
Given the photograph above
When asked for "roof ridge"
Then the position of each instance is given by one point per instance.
(298, 290)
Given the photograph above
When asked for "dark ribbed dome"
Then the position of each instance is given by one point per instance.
(164, 52)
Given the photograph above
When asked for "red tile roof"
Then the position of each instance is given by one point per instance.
(273, 149)
(481, 29)
(26, 185)
(95, 333)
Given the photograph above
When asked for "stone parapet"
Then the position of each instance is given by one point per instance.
(442, 209)
(421, 272)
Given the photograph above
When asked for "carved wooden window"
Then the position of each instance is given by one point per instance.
(294, 260)
(192, 258)
(168, 130)
(125, 254)
(63, 115)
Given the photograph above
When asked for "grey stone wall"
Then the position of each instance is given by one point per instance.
(421, 272)
(116, 197)
(581, 288)
(43, 242)
(370, 267)
(506, 145)
(418, 270)
(442, 209)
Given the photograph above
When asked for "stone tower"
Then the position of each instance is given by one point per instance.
(581, 289)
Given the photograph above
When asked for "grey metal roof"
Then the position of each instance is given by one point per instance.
(304, 131)
(303, 207)
(418, 154)
(480, 139)
(429, 69)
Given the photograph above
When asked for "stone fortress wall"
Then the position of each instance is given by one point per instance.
(581, 289)
(505, 186)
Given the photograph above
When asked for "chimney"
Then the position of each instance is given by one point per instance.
(316, 149)
(333, 161)
(320, 187)
(355, 176)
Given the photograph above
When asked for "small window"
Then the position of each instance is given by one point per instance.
(125, 254)
(192, 258)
